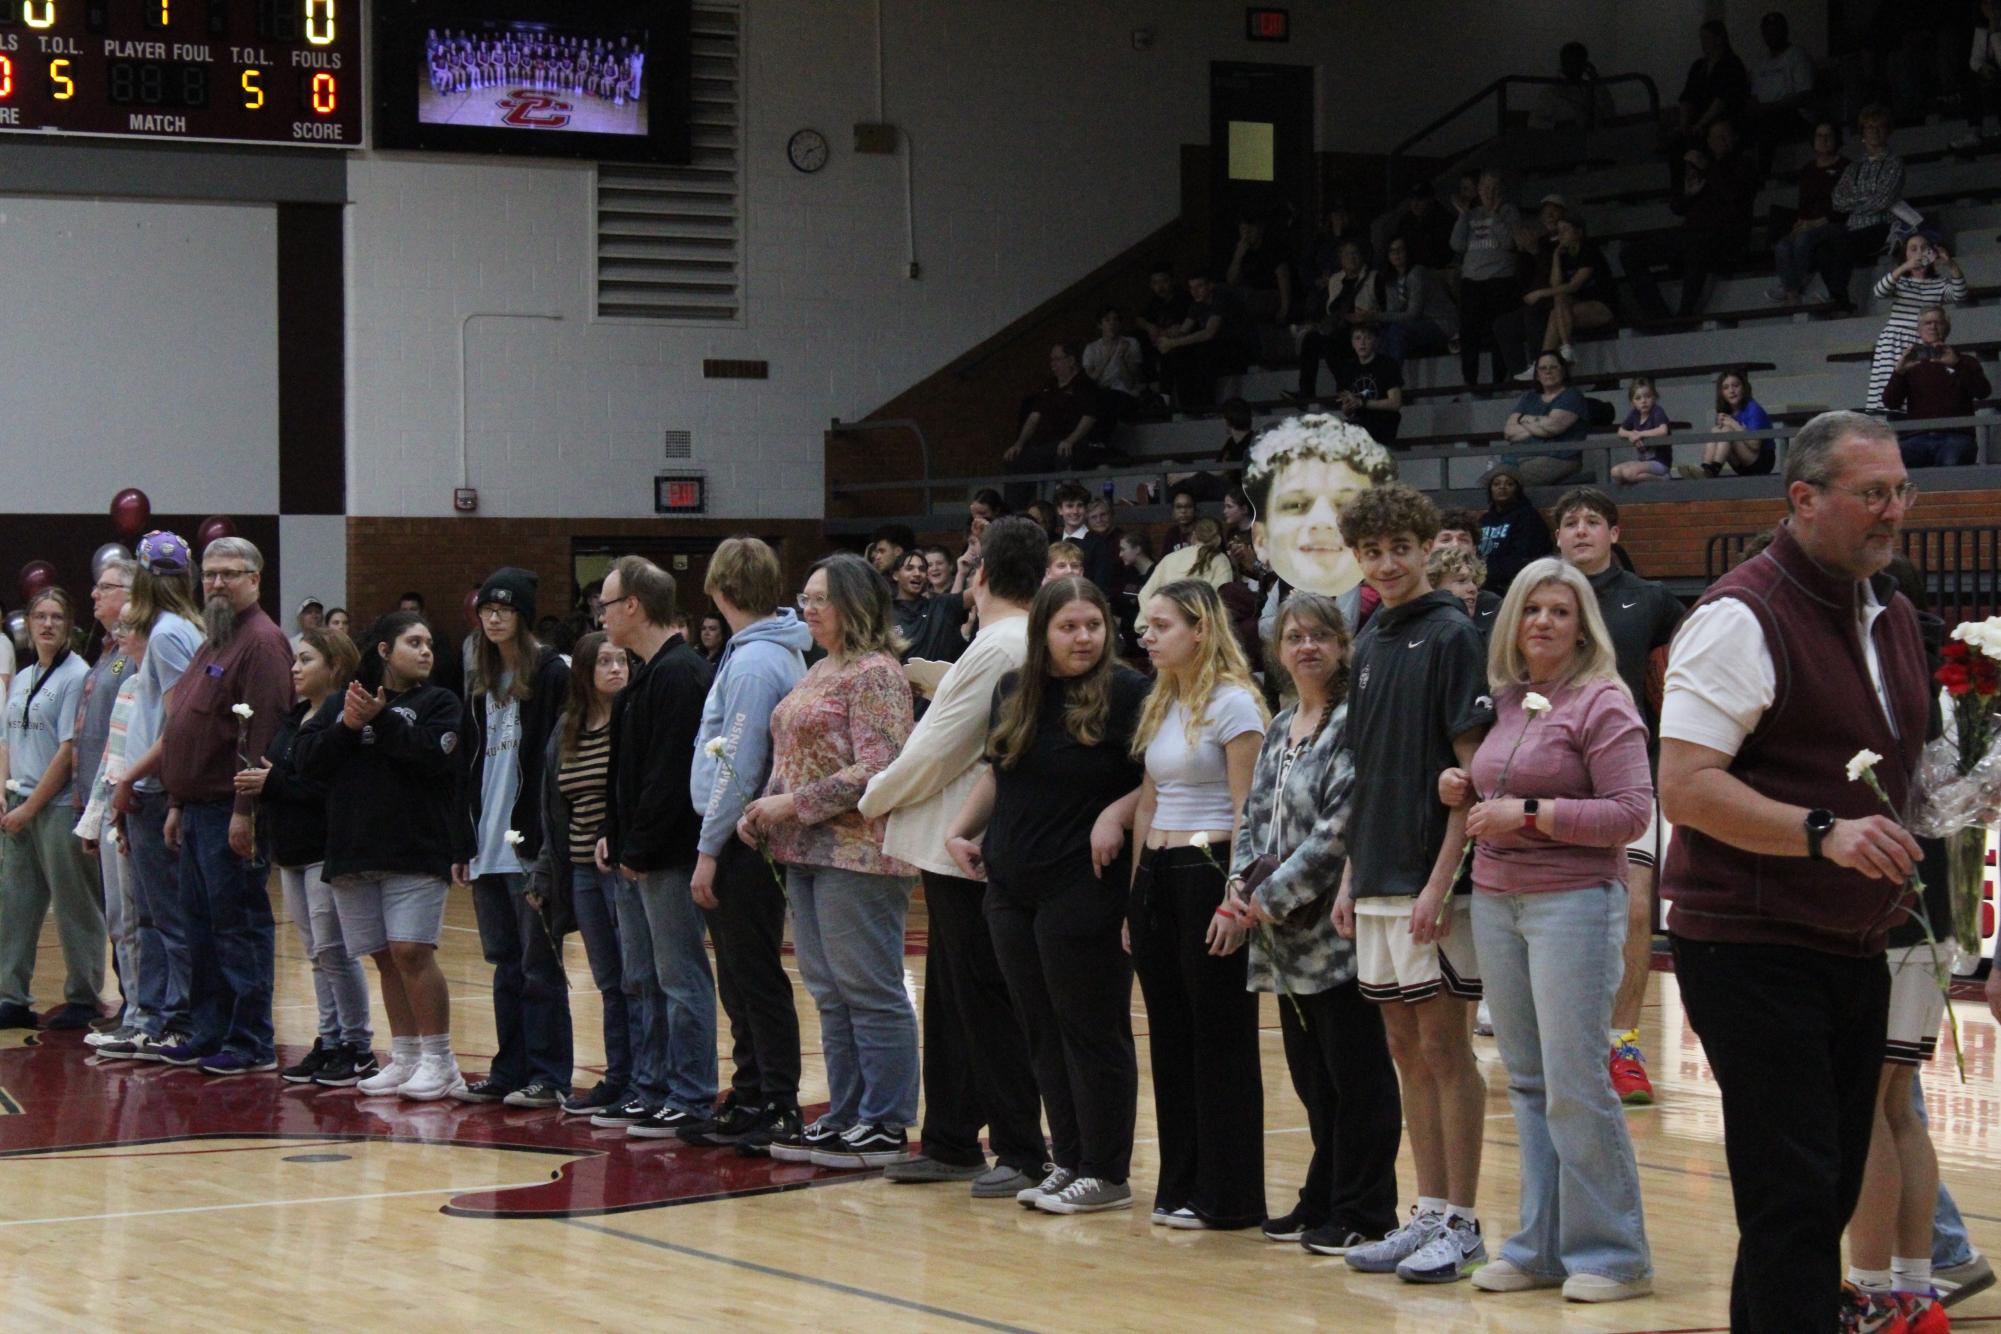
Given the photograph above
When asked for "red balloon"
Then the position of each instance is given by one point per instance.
(131, 511)
(35, 576)
(213, 527)
(472, 608)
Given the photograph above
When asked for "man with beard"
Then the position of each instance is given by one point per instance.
(227, 707)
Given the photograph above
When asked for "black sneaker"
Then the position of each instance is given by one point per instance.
(488, 1089)
(797, 1145)
(666, 1123)
(1290, 1227)
(628, 1113)
(346, 1066)
(863, 1145)
(732, 1121)
(18, 1016)
(124, 1045)
(779, 1124)
(600, 1097)
(1332, 1239)
(319, 1058)
(71, 1016)
(537, 1093)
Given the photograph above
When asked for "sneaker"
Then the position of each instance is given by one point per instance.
(1454, 1250)
(1056, 1180)
(1568, 353)
(732, 1121)
(1955, 1283)
(780, 1123)
(235, 1063)
(922, 1169)
(1780, 296)
(70, 1016)
(483, 1089)
(386, 1081)
(538, 1093)
(600, 1097)
(177, 1049)
(797, 1145)
(628, 1113)
(311, 1064)
(1923, 1312)
(346, 1067)
(109, 1023)
(665, 1123)
(1629, 1075)
(1483, 1021)
(1382, 1257)
(865, 1144)
(1598, 1287)
(1001, 1182)
(1527, 376)
(1290, 1227)
(124, 1048)
(99, 1040)
(1503, 1276)
(1184, 1218)
(1690, 471)
(435, 1077)
(1869, 1312)
(1087, 1195)
(18, 1016)
(1333, 1239)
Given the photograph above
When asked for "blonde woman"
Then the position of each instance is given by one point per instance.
(1199, 737)
(1559, 786)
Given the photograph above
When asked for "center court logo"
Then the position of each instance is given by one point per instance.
(532, 110)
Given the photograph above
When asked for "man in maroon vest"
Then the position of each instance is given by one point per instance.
(1785, 876)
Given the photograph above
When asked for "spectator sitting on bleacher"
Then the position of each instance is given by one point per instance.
(1066, 561)
(1980, 82)
(1868, 189)
(1578, 100)
(1552, 412)
(1114, 364)
(1519, 331)
(1181, 504)
(1413, 312)
(1929, 276)
(1782, 85)
(1211, 343)
(1073, 520)
(1736, 410)
(1044, 515)
(1164, 310)
(886, 547)
(1646, 421)
(1202, 558)
(1815, 222)
(1348, 300)
(1485, 240)
(1237, 513)
(1424, 225)
(1717, 89)
(1322, 254)
(1368, 387)
(1056, 433)
(1934, 380)
(1459, 528)
(1460, 572)
(1261, 273)
(1578, 291)
(1512, 531)
(1718, 189)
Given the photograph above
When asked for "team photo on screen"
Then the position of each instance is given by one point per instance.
(529, 76)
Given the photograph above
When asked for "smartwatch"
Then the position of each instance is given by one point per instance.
(1529, 808)
(1819, 821)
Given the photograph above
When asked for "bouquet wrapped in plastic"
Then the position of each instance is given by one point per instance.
(1959, 775)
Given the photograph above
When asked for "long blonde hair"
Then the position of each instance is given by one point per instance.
(1595, 659)
(1219, 662)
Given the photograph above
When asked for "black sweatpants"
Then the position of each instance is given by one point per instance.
(1795, 1038)
(1057, 941)
(748, 928)
(1341, 1070)
(1202, 1034)
(976, 1065)
(1481, 302)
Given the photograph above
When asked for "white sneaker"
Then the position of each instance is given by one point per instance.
(387, 1080)
(436, 1077)
(1599, 1288)
(1483, 1021)
(1503, 1276)
(1525, 377)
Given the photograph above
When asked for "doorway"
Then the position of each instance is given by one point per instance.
(1261, 125)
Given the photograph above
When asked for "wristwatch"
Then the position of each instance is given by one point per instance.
(1819, 821)
(1529, 808)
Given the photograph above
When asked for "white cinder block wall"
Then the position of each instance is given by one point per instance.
(1043, 144)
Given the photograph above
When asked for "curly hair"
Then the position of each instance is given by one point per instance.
(1445, 564)
(1389, 511)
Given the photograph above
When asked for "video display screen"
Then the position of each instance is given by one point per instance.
(536, 78)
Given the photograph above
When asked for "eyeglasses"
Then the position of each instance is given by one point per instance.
(107, 587)
(493, 610)
(814, 602)
(1295, 638)
(1876, 499)
(223, 576)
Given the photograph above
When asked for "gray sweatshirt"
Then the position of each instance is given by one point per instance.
(763, 662)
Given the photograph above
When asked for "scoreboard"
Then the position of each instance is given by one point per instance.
(231, 71)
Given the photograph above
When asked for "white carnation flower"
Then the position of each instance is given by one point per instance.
(1534, 705)
(513, 838)
(1861, 763)
(243, 711)
(1199, 839)
(714, 750)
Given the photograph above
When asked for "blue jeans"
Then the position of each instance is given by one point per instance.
(230, 928)
(340, 988)
(645, 1002)
(1794, 252)
(1551, 963)
(121, 923)
(1404, 339)
(594, 899)
(531, 993)
(681, 962)
(847, 929)
(1950, 1245)
(163, 930)
(1938, 449)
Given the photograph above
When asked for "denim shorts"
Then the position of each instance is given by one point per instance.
(378, 909)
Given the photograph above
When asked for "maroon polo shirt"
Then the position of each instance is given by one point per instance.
(201, 741)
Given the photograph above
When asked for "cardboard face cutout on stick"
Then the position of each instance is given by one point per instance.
(1301, 472)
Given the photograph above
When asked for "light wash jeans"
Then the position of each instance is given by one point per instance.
(339, 986)
(847, 929)
(1551, 963)
(121, 922)
(681, 963)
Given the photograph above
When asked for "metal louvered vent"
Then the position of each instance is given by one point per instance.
(680, 444)
(670, 239)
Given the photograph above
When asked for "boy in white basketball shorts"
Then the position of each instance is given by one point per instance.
(1417, 705)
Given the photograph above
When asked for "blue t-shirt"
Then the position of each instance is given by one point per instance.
(169, 650)
(499, 787)
(1752, 417)
(36, 732)
(1656, 416)
(1569, 400)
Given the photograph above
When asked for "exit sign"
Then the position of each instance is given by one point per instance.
(1268, 25)
(686, 493)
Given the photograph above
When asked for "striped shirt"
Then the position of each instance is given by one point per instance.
(1910, 297)
(581, 779)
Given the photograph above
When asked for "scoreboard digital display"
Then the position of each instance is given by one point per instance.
(231, 71)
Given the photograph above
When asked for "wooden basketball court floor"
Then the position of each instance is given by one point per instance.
(137, 1196)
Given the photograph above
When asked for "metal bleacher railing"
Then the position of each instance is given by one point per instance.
(1396, 170)
(1961, 565)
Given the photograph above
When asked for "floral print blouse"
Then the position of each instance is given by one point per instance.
(841, 725)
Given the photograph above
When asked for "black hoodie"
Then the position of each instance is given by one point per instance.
(1511, 538)
(651, 823)
(394, 789)
(292, 813)
(540, 713)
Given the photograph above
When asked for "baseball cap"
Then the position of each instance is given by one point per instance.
(312, 602)
(1553, 198)
(162, 552)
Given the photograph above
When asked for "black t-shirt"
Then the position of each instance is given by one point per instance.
(1165, 312)
(1418, 679)
(1370, 383)
(1062, 407)
(1259, 270)
(1598, 287)
(1230, 308)
(929, 624)
(1641, 616)
(1728, 81)
(1045, 805)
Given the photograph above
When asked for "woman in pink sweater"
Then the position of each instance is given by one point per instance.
(1559, 786)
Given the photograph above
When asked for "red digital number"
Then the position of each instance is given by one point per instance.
(323, 94)
(6, 77)
(682, 493)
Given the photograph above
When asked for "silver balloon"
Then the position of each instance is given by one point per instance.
(109, 551)
(16, 625)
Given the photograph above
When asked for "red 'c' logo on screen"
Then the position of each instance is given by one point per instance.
(533, 110)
